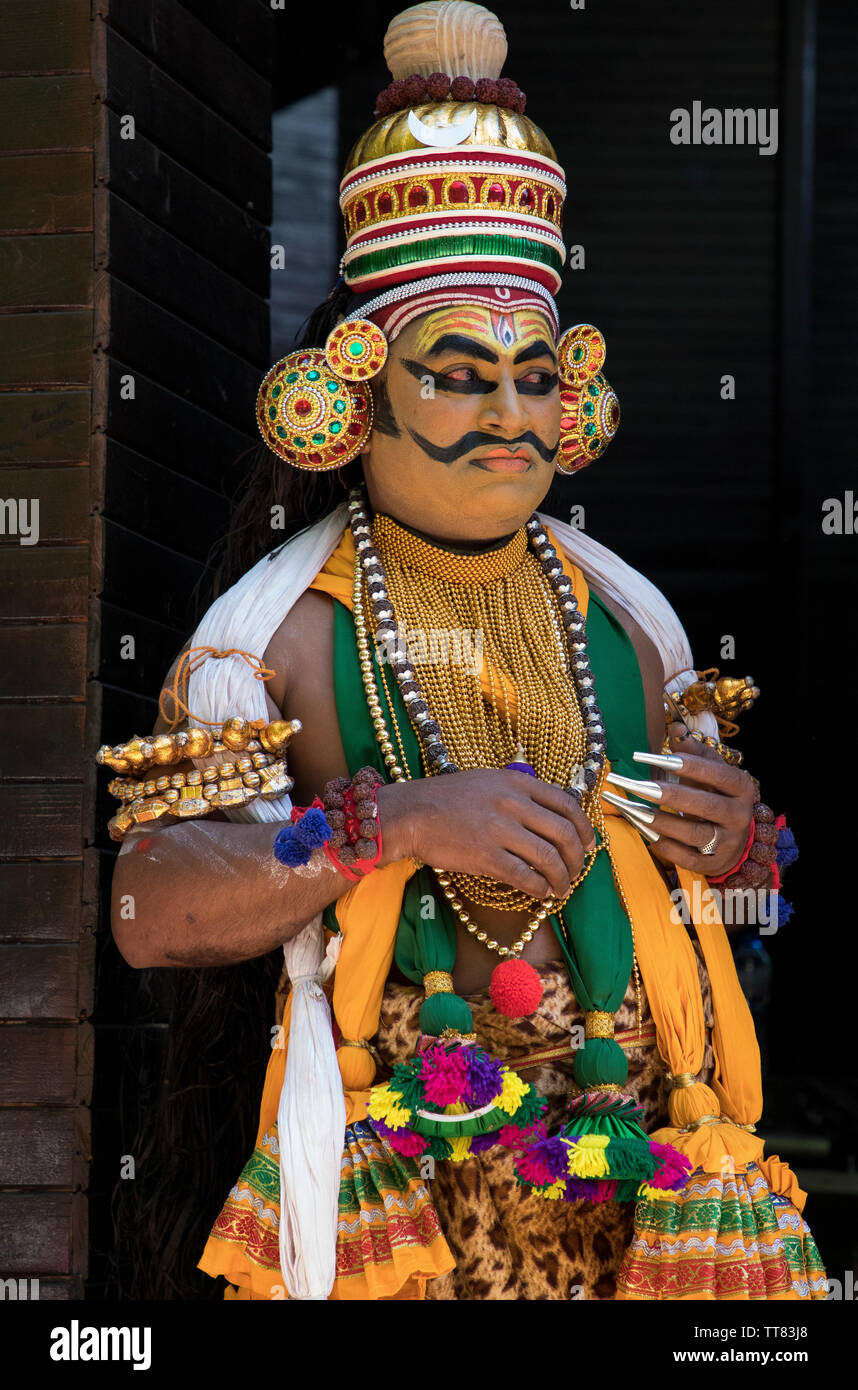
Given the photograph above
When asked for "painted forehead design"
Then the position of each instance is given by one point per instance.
(496, 326)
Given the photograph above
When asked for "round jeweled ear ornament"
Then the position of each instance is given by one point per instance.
(356, 350)
(310, 415)
(591, 411)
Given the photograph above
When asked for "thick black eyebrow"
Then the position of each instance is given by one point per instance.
(458, 342)
(537, 349)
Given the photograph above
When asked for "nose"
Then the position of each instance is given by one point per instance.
(503, 410)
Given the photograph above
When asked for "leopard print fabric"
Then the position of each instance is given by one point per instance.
(509, 1245)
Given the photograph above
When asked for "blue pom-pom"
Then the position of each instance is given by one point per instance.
(313, 829)
(787, 849)
(288, 848)
(785, 911)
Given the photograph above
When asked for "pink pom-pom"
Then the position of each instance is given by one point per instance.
(515, 989)
(444, 1076)
(674, 1170)
(407, 1143)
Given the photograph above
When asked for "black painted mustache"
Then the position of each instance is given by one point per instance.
(474, 438)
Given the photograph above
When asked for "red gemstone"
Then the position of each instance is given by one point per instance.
(385, 203)
(526, 198)
(339, 449)
(615, 414)
(568, 397)
(355, 428)
(302, 407)
(549, 206)
(360, 212)
(458, 192)
(568, 445)
(417, 197)
(567, 424)
(314, 458)
(497, 193)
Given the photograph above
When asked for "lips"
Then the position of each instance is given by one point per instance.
(503, 461)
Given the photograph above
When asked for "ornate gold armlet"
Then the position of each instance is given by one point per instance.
(724, 696)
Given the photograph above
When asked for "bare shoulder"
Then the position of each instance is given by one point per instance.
(649, 660)
(305, 637)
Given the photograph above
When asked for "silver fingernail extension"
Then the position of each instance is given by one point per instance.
(630, 808)
(650, 790)
(670, 762)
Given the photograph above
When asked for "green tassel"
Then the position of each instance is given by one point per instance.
(442, 1011)
(600, 1062)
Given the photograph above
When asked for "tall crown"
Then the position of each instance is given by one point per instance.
(453, 178)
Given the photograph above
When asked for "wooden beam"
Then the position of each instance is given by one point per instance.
(63, 496)
(164, 426)
(45, 113)
(44, 427)
(44, 1148)
(39, 982)
(48, 742)
(159, 266)
(249, 28)
(45, 36)
(42, 902)
(43, 582)
(186, 205)
(130, 327)
(180, 124)
(42, 271)
(190, 52)
(52, 349)
(37, 1232)
(156, 502)
(46, 193)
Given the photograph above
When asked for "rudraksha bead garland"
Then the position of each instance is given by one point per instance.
(351, 811)
(427, 729)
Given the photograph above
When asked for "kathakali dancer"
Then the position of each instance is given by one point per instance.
(507, 1066)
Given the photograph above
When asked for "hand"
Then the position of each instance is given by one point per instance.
(719, 801)
(505, 825)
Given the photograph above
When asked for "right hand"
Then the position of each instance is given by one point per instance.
(504, 825)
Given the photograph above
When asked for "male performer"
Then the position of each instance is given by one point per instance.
(498, 893)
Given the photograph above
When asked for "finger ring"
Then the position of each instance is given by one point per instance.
(710, 848)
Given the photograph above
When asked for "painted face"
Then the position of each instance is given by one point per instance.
(467, 423)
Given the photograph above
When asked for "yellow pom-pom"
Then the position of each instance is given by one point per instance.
(555, 1191)
(513, 1090)
(384, 1105)
(587, 1157)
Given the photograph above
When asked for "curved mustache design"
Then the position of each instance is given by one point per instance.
(474, 438)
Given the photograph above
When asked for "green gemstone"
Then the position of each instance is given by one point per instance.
(577, 354)
(275, 390)
(318, 439)
(595, 446)
(313, 376)
(357, 348)
(279, 430)
(589, 407)
(339, 407)
(272, 413)
(293, 376)
(594, 390)
(332, 385)
(336, 427)
(299, 441)
(589, 429)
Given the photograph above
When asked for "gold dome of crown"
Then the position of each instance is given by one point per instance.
(458, 38)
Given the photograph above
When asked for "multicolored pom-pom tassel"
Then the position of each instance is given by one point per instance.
(601, 1154)
(453, 1100)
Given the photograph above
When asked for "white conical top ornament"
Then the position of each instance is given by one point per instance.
(451, 36)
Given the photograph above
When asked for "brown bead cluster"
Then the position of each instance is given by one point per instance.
(755, 871)
(413, 90)
(352, 813)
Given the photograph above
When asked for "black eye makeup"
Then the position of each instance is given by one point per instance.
(474, 384)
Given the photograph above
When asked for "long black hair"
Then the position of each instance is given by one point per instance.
(196, 1112)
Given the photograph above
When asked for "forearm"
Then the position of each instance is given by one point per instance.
(213, 893)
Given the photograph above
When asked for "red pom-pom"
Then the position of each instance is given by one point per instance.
(515, 989)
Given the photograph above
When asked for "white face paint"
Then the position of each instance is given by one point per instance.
(442, 136)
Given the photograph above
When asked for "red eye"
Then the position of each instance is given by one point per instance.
(460, 374)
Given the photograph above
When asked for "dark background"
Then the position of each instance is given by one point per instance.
(700, 261)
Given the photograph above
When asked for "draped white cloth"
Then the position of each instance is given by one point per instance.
(311, 1116)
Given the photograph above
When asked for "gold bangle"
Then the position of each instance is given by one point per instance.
(598, 1024)
(438, 982)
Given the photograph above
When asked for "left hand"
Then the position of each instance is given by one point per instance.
(714, 798)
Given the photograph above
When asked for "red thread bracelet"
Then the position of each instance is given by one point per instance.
(719, 878)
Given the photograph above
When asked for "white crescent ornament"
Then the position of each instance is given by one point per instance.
(442, 136)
